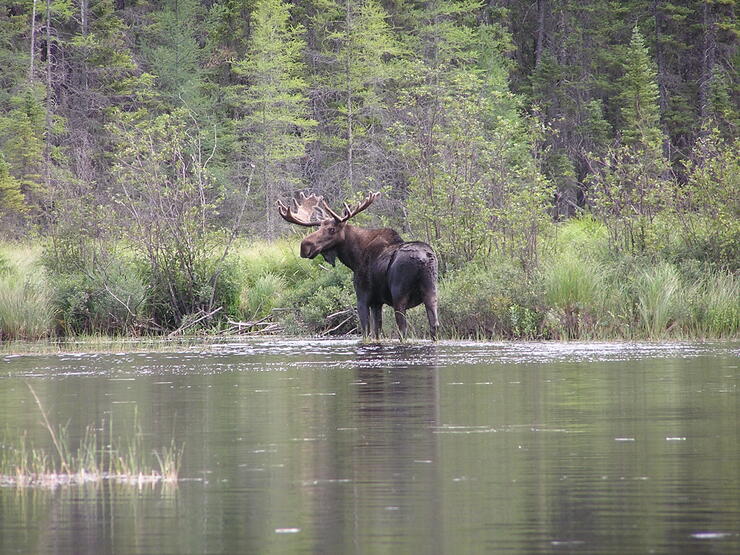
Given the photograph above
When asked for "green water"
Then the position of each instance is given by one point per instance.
(337, 447)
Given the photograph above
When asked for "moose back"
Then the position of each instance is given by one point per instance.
(387, 269)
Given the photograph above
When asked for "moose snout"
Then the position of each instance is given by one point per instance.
(307, 249)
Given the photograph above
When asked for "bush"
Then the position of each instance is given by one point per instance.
(109, 301)
(479, 301)
(323, 293)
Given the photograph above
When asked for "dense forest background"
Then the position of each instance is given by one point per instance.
(174, 126)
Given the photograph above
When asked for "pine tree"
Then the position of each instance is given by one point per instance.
(276, 127)
(633, 185)
(175, 54)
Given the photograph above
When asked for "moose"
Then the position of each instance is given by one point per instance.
(387, 269)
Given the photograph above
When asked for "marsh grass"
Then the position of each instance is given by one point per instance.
(26, 310)
(716, 305)
(573, 287)
(122, 460)
(659, 297)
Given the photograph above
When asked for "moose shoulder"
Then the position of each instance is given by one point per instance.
(387, 269)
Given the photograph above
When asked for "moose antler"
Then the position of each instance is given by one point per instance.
(303, 213)
(350, 212)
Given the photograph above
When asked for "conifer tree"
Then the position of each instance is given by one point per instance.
(640, 97)
(276, 127)
(175, 54)
(359, 61)
(12, 203)
(632, 184)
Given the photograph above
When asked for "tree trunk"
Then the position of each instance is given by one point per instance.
(31, 68)
(49, 93)
(708, 57)
(540, 44)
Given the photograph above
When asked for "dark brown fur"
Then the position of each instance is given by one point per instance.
(387, 270)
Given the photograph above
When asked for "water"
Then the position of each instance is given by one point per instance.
(336, 447)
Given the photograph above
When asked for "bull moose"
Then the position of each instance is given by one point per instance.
(387, 269)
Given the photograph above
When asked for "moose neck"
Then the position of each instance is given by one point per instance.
(359, 243)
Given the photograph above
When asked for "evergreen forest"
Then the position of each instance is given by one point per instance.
(573, 163)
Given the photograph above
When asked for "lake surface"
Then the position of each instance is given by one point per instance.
(294, 446)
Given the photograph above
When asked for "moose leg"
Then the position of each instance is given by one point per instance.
(364, 314)
(377, 312)
(401, 322)
(431, 306)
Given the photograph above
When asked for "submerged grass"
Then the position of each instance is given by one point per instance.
(121, 460)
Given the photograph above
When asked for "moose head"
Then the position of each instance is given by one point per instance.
(313, 211)
(387, 269)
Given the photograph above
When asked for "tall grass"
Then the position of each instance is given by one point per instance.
(716, 306)
(573, 286)
(26, 310)
(658, 300)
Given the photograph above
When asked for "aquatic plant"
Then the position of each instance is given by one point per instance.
(122, 460)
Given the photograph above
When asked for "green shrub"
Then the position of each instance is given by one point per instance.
(325, 292)
(478, 301)
(104, 301)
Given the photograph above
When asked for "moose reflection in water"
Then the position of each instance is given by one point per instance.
(387, 269)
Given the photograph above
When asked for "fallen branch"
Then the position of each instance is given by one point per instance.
(187, 325)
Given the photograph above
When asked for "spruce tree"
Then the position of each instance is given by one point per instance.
(640, 97)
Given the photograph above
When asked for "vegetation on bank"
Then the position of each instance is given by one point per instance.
(581, 289)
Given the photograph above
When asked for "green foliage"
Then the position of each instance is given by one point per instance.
(659, 298)
(11, 198)
(488, 302)
(707, 205)
(276, 126)
(258, 299)
(473, 190)
(324, 301)
(21, 141)
(572, 287)
(716, 305)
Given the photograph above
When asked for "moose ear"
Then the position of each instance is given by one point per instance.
(330, 256)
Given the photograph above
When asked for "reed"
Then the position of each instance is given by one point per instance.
(124, 461)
